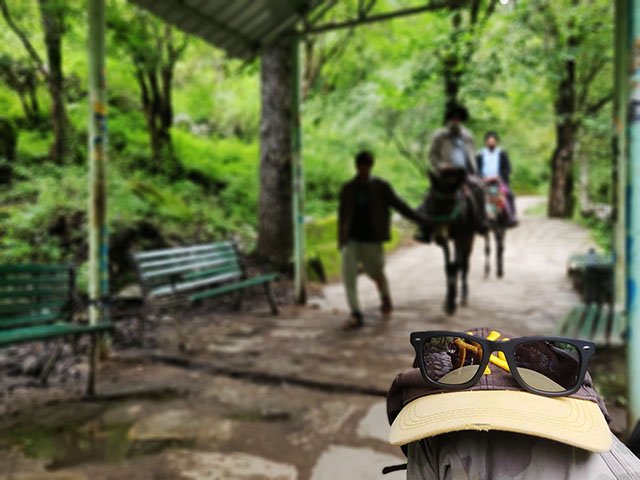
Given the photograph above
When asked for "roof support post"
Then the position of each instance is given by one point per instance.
(97, 146)
(619, 146)
(632, 13)
(297, 176)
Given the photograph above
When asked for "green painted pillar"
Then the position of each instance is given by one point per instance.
(621, 86)
(300, 274)
(98, 235)
(633, 211)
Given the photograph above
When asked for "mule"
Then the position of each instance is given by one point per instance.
(449, 207)
(498, 216)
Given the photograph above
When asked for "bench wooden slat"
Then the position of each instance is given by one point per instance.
(233, 286)
(180, 250)
(25, 320)
(602, 326)
(38, 280)
(165, 262)
(186, 286)
(185, 268)
(573, 321)
(33, 268)
(32, 307)
(31, 293)
(41, 332)
(213, 272)
(587, 324)
(618, 329)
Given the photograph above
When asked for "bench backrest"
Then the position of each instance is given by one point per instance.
(33, 294)
(182, 269)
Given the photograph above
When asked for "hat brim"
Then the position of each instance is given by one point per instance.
(564, 419)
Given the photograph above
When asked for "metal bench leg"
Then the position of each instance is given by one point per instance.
(183, 344)
(142, 323)
(271, 298)
(53, 358)
(93, 363)
(239, 299)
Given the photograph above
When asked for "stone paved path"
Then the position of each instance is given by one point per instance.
(290, 397)
(528, 299)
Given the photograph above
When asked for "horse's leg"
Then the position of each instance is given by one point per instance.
(464, 246)
(500, 234)
(487, 255)
(450, 269)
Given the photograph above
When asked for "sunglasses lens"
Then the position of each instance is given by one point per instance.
(451, 360)
(548, 366)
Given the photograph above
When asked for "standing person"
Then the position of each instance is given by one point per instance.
(493, 161)
(364, 224)
(453, 147)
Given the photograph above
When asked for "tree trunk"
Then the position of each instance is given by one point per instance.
(561, 201)
(275, 229)
(452, 66)
(52, 25)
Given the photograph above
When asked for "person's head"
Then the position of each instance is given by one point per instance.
(364, 164)
(456, 114)
(491, 139)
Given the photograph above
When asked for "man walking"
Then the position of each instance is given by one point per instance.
(493, 161)
(364, 224)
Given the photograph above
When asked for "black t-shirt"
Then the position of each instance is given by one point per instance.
(361, 228)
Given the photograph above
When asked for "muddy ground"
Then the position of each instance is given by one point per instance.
(286, 397)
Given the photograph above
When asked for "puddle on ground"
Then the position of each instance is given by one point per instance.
(91, 441)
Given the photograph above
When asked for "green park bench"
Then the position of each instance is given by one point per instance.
(195, 273)
(595, 318)
(37, 304)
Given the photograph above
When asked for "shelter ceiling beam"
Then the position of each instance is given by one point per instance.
(381, 17)
(181, 5)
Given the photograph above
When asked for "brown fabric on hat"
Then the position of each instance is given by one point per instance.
(410, 385)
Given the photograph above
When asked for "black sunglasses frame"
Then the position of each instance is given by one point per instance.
(585, 350)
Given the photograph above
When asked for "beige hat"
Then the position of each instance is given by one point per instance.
(496, 402)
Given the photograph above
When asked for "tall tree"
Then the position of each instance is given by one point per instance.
(154, 48)
(410, 124)
(52, 15)
(574, 52)
(21, 77)
(455, 55)
(275, 234)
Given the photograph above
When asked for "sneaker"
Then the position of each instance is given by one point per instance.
(513, 223)
(354, 321)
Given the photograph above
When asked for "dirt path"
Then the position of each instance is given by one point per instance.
(283, 398)
(530, 298)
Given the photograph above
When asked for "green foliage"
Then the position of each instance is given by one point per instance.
(322, 245)
(380, 88)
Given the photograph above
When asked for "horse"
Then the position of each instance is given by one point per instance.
(498, 216)
(448, 206)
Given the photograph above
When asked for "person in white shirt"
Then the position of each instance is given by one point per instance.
(493, 161)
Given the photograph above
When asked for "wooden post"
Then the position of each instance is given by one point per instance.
(619, 145)
(98, 238)
(97, 146)
(633, 214)
(300, 293)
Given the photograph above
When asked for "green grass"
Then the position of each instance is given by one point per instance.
(322, 246)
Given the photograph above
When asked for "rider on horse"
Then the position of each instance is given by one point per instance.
(493, 165)
(452, 150)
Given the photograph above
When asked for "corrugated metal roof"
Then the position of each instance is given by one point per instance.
(240, 27)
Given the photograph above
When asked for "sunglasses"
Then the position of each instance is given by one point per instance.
(549, 366)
